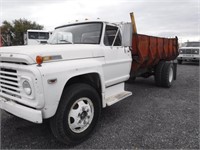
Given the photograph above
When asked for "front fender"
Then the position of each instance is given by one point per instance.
(63, 71)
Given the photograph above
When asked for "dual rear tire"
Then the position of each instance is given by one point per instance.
(164, 74)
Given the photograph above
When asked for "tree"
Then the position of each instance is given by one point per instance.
(13, 33)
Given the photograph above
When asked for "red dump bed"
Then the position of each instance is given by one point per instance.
(147, 51)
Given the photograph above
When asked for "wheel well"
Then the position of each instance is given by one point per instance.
(92, 79)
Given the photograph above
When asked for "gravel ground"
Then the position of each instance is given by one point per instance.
(152, 118)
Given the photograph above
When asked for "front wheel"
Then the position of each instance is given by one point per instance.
(77, 114)
(180, 61)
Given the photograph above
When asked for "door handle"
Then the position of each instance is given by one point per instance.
(126, 50)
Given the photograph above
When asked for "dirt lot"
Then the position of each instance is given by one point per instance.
(152, 117)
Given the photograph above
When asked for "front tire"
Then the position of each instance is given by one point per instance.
(77, 114)
(180, 61)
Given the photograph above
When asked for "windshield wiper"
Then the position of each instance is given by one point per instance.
(65, 42)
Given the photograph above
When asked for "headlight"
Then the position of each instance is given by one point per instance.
(196, 51)
(27, 87)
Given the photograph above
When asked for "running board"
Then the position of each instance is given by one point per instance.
(118, 97)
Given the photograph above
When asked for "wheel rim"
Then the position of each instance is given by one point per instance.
(81, 115)
(170, 74)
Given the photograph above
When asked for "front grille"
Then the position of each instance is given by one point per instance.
(9, 83)
(189, 51)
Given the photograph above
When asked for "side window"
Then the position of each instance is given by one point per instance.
(110, 34)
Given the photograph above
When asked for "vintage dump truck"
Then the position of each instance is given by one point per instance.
(82, 70)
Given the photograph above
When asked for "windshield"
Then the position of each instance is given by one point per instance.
(192, 44)
(87, 33)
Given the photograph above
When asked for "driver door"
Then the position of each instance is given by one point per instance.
(117, 58)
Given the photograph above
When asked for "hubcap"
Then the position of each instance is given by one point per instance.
(170, 74)
(81, 115)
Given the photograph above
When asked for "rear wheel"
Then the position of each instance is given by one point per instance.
(167, 75)
(77, 114)
(158, 72)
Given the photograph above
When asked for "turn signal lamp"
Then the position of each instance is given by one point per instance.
(39, 60)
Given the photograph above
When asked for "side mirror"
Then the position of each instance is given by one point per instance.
(127, 33)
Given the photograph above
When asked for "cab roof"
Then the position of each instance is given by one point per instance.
(85, 22)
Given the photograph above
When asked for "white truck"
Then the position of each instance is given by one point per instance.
(36, 37)
(189, 52)
(68, 81)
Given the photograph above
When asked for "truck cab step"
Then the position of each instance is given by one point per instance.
(118, 97)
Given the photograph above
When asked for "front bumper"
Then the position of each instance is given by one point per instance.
(21, 111)
(189, 57)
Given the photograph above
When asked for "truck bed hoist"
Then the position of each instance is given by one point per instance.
(81, 70)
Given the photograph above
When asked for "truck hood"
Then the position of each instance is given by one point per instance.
(27, 54)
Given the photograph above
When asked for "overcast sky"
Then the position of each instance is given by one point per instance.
(155, 17)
